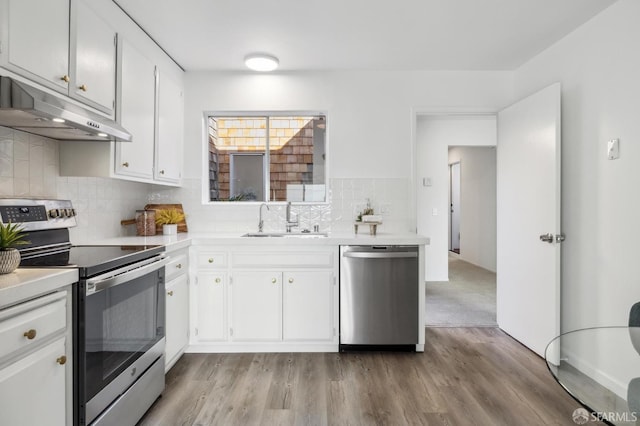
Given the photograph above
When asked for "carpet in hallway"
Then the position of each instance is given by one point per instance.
(467, 299)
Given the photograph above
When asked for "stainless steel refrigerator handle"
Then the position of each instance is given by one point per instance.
(380, 255)
(120, 276)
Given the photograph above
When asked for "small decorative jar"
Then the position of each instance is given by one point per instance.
(145, 223)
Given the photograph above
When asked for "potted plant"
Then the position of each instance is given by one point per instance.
(10, 235)
(169, 219)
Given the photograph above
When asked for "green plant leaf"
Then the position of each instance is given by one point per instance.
(11, 235)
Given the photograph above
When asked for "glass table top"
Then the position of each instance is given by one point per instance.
(600, 368)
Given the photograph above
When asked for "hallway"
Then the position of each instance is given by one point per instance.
(468, 299)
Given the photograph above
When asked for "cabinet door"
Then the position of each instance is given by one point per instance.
(170, 125)
(38, 40)
(32, 389)
(210, 302)
(256, 306)
(177, 318)
(308, 305)
(137, 88)
(93, 59)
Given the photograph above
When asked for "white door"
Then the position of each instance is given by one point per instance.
(528, 197)
(454, 224)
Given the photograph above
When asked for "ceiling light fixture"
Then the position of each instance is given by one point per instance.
(261, 62)
(58, 120)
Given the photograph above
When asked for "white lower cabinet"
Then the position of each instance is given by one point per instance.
(256, 306)
(32, 390)
(210, 307)
(177, 306)
(308, 306)
(36, 361)
(177, 318)
(261, 298)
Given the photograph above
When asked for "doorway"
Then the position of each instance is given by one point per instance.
(454, 211)
(460, 263)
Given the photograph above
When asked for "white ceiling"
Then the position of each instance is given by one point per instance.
(360, 34)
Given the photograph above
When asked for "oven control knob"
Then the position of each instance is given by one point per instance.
(54, 213)
(72, 212)
(69, 212)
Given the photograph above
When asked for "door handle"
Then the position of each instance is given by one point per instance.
(547, 238)
(550, 238)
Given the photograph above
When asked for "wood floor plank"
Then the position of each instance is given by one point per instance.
(466, 376)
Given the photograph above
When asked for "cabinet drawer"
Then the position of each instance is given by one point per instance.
(276, 259)
(209, 260)
(29, 323)
(179, 264)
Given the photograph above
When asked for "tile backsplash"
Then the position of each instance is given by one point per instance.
(29, 168)
(28, 165)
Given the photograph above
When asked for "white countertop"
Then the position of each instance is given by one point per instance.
(171, 242)
(27, 283)
(181, 240)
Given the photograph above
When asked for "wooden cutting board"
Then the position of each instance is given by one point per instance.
(182, 226)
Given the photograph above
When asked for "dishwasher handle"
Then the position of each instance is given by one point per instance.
(381, 255)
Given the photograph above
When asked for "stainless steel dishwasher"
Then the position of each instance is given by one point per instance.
(378, 297)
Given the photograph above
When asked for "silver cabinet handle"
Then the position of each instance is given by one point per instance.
(381, 255)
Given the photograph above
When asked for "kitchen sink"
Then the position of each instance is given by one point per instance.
(286, 234)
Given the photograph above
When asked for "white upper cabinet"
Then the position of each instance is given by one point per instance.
(93, 58)
(35, 41)
(136, 112)
(169, 143)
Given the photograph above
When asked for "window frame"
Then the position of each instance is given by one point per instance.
(268, 114)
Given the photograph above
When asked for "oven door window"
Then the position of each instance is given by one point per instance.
(121, 324)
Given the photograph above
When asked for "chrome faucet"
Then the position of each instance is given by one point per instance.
(290, 223)
(260, 221)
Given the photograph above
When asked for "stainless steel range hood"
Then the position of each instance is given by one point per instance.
(23, 107)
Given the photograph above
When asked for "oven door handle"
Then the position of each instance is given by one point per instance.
(123, 275)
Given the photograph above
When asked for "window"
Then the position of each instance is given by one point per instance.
(267, 157)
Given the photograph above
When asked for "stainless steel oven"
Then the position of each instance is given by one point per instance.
(118, 312)
(120, 328)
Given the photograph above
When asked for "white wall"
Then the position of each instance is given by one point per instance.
(369, 128)
(434, 135)
(598, 66)
(478, 204)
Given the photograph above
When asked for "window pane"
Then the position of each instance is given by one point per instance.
(241, 141)
(297, 158)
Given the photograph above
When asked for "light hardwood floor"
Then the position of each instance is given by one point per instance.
(466, 376)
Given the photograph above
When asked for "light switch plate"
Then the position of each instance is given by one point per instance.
(613, 149)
